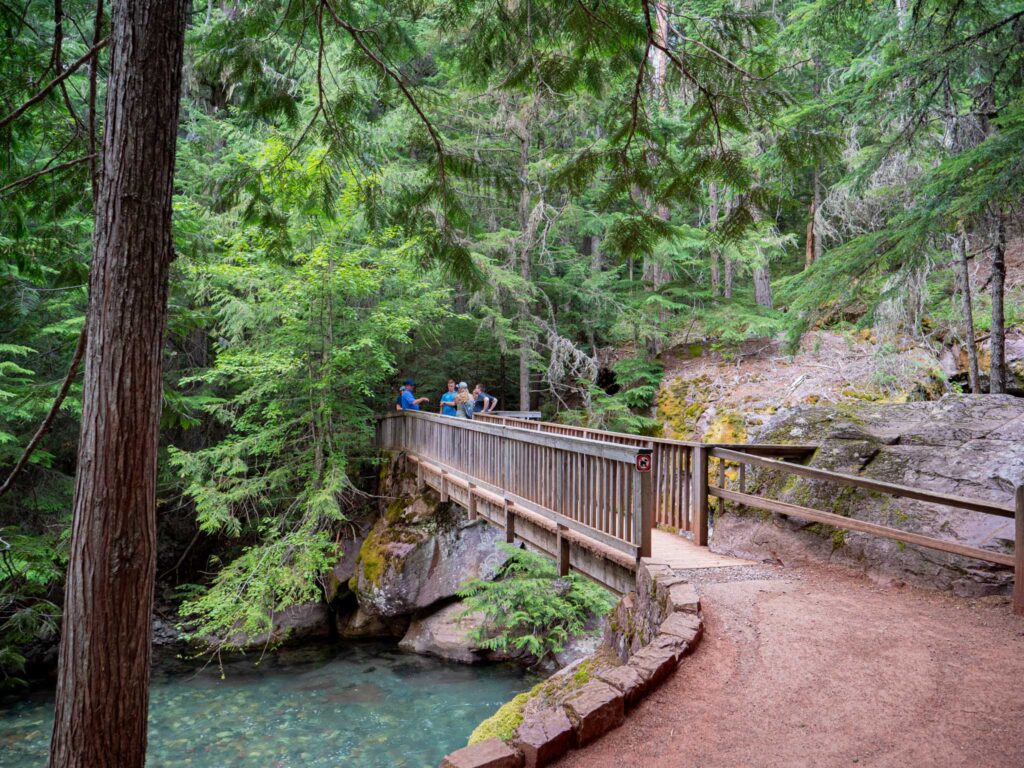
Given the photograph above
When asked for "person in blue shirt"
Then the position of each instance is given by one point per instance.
(448, 400)
(409, 401)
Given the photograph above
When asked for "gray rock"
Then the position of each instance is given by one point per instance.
(296, 622)
(966, 445)
(406, 566)
(445, 634)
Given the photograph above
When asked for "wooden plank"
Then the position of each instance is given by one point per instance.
(700, 495)
(612, 451)
(646, 512)
(1018, 553)
(563, 551)
(861, 526)
(976, 505)
(510, 523)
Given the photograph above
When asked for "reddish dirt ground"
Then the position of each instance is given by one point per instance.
(815, 667)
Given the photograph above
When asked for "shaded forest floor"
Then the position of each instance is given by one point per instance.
(813, 666)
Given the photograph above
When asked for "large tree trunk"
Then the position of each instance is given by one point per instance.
(103, 682)
(960, 249)
(997, 369)
(524, 268)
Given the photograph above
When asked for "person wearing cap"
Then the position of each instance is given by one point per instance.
(409, 401)
(447, 407)
(464, 401)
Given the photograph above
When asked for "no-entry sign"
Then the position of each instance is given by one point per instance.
(643, 462)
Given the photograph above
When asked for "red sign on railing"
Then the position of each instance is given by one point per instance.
(643, 462)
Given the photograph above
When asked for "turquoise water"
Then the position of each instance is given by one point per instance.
(355, 706)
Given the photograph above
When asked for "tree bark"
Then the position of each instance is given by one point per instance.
(809, 250)
(763, 285)
(960, 248)
(997, 369)
(524, 268)
(819, 244)
(103, 681)
(716, 277)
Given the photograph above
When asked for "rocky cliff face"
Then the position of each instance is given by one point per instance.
(961, 444)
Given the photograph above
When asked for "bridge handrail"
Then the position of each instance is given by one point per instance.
(593, 487)
(1014, 511)
(674, 504)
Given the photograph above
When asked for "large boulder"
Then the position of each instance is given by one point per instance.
(336, 580)
(302, 621)
(964, 445)
(446, 634)
(420, 553)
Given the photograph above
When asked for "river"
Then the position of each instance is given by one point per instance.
(356, 705)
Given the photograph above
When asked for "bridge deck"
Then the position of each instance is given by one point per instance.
(678, 553)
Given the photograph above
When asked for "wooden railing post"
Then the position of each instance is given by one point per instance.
(563, 551)
(700, 495)
(1018, 553)
(471, 503)
(510, 523)
(645, 512)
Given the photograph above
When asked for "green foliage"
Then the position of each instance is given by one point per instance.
(31, 570)
(530, 610)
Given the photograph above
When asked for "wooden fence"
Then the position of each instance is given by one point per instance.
(591, 487)
(675, 506)
(741, 460)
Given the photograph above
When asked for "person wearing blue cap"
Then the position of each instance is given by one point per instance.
(410, 402)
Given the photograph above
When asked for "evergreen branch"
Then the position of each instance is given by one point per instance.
(356, 34)
(982, 33)
(43, 172)
(48, 421)
(53, 83)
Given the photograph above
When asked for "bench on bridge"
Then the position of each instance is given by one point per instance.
(590, 497)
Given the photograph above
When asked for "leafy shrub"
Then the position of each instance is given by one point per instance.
(531, 609)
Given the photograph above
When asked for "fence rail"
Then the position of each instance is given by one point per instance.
(742, 460)
(588, 486)
(672, 466)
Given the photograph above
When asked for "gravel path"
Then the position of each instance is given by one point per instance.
(814, 667)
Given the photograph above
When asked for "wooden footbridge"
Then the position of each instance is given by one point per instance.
(599, 502)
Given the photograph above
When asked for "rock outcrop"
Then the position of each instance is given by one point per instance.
(962, 444)
(446, 634)
(419, 553)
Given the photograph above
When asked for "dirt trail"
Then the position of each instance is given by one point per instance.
(814, 667)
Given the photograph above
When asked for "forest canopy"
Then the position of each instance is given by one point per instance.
(541, 195)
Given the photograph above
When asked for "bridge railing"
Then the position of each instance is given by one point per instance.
(595, 488)
(674, 502)
(738, 494)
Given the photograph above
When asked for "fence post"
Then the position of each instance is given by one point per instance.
(700, 495)
(1018, 553)
(510, 523)
(471, 503)
(645, 480)
(563, 551)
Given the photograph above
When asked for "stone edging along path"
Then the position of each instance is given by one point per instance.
(647, 635)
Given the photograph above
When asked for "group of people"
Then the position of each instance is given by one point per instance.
(457, 401)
